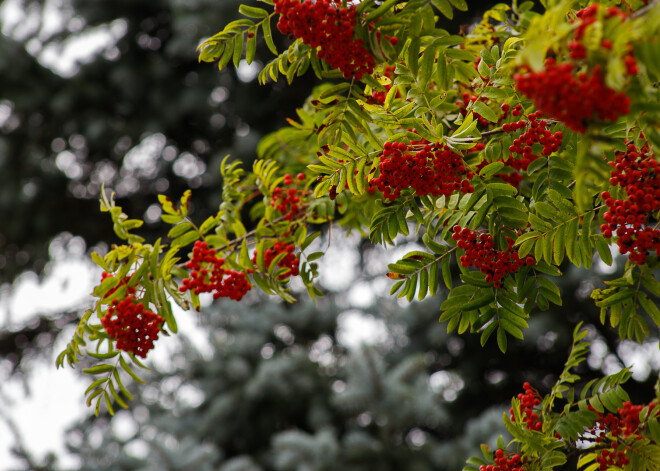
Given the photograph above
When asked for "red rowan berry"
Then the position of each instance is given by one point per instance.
(290, 261)
(574, 101)
(528, 401)
(433, 170)
(134, 328)
(208, 275)
(638, 173)
(480, 252)
(504, 462)
(287, 200)
(328, 27)
(536, 132)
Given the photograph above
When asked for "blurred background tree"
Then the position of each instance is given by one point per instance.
(137, 113)
(289, 388)
(111, 93)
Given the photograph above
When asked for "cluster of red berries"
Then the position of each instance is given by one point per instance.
(522, 153)
(575, 101)
(621, 426)
(612, 457)
(432, 170)
(528, 401)
(208, 275)
(504, 463)
(608, 423)
(326, 25)
(537, 132)
(134, 328)
(480, 252)
(588, 16)
(638, 173)
(287, 200)
(290, 261)
(629, 422)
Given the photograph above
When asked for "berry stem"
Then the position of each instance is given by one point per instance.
(581, 451)
(643, 11)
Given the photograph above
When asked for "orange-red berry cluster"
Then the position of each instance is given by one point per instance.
(208, 275)
(504, 462)
(638, 173)
(575, 101)
(287, 200)
(528, 401)
(614, 456)
(619, 427)
(432, 170)
(522, 149)
(480, 252)
(586, 17)
(326, 25)
(134, 327)
(290, 261)
(537, 132)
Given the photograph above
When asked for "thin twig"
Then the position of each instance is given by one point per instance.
(643, 11)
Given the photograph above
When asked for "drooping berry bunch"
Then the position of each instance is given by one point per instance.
(528, 401)
(504, 462)
(134, 327)
(535, 131)
(480, 252)
(638, 173)
(287, 200)
(586, 17)
(208, 275)
(432, 170)
(326, 25)
(575, 92)
(615, 429)
(290, 261)
(574, 100)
